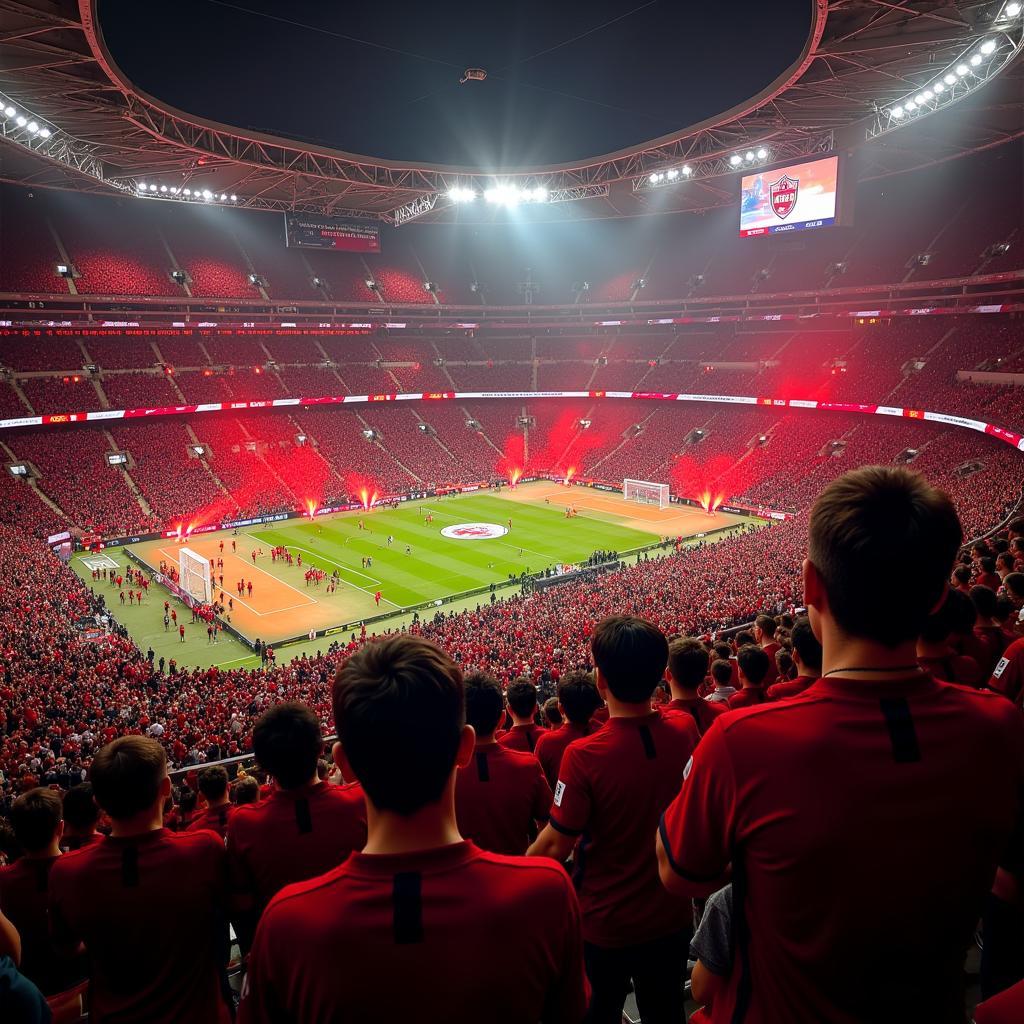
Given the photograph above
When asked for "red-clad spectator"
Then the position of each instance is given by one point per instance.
(578, 699)
(722, 674)
(989, 635)
(501, 796)
(522, 706)
(688, 664)
(612, 788)
(213, 784)
(304, 828)
(754, 666)
(81, 816)
(771, 788)
(764, 637)
(935, 651)
(806, 656)
(394, 913)
(100, 895)
(1008, 675)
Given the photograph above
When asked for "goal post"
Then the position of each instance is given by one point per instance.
(645, 492)
(194, 575)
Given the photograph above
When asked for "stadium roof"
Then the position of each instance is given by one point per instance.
(861, 58)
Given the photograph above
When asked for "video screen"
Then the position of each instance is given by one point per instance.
(790, 198)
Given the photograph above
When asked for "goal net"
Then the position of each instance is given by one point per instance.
(194, 571)
(645, 492)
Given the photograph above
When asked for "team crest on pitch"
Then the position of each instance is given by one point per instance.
(783, 195)
(474, 531)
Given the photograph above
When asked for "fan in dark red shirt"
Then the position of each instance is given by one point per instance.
(522, 706)
(578, 699)
(807, 658)
(81, 816)
(304, 828)
(213, 784)
(36, 818)
(935, 653)
(793, 798)
(764, 637)
(612, 788)
(754, 665)
(422, 925)
(147, 903)
(1008, 675)
(688, 662)
(501, 796)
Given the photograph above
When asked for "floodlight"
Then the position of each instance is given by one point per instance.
(33, 127)
(928, 94)
(540, 194)
(988, 47)
(762, 154)
(152, 188)
(673, 174)
(187, 191)
(653, 179)
(174, 190)
(962, 69)
(9, 111)
(141, 186)
(939, 87)
(749, 156)
(21, 122)
(223, 197)
(207, 194)
(919, 99)
(910, 106)
(687, 170)
(896, 112)
(735, 160)
(949, 79)
(1011, 10)
(45, 133)
(975, 61)
(234, 199)
(163, 188)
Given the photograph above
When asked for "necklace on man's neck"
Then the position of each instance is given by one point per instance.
(871, 668)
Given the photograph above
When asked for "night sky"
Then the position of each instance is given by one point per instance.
(382, 79)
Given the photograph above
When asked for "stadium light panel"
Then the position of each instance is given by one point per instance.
(962, 70)
(141, 186)
(234, 198)
(938, 87)
(762, 154)
(1012, 10)
(910, 105)
(33, 127)
(9, 111)
(949, 79)
(928, 94)
(896, 112)
(207, 194)
(673, 174)
(187, 191)
(163, 188)
(540, 194)
(989, 46)
(750, 156)
(687, 170)
(152, 188)
(975, 60)
(21, 121)
(919, 99)
(45, 133)
(653, 179)
(223, 197)
(735, 160)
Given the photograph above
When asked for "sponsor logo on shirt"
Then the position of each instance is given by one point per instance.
(1000, 668)
(559, 792)
(688, 768)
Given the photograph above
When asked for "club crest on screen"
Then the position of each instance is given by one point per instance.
(783, 195)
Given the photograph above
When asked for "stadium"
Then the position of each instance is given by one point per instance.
(512, 361)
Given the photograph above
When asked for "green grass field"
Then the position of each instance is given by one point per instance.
(436, 568)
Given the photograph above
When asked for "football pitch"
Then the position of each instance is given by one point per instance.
(470, 542)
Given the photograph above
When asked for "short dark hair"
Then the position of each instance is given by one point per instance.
(722, 650)
(80, 810)
(805, 643)
(1014, 582)
(962, 574)
(988, 564)
(766, 624)
(35, 816)
(485, 704)
(522, 697)
(578, 696)
(862, 525)
(984, 601)
(688, 661)
(213, 782)
(745, 637)
(287, 742)
(246, 790)
(551, 713)
(631, 655)
(126, 775)
(784, 662)
(1006, 560)
(754, 663)
(399, 709)
(721, 671)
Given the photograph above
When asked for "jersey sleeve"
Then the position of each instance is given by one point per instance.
(570, 806)
(260, 1002)
(541, 796)
(697, 829)
(566, 1002)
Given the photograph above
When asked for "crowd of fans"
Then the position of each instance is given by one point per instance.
(685, 777)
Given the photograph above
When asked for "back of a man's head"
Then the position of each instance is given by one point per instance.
(806, 644)
(984, 601)
(753, 663)
(126, 776)
(213, 782)
(399, 710)
(287, 743)
(80, 810)
(485, 703)
(631, 655)
(721, 672)
(688, 661)
(522, 697)
(1014, 583)
(35, 816)
(552, 715)
(578, 696)
(766, 624)
(882, 541)
(245, 791)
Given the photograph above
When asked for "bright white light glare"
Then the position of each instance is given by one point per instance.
(187, 191)
(152, 188)
(687, 170)
(962, 70)
(207, 194)
(750, 155)
(928, 94)
(988, 47)
(762, 154)
(9, 111)
(163, 188)
(939, 87)
(910, 105)
(896, 112)
(975, 60)
(45, 133)
(735, 160)
(21, 122)
(919, 99)
(234, 198)
(141, 186)
(223, 197)
(174, 190)
(949, 79)
(1012, 10)
(33, 127)
(673, 174)
(654, 179)
(540, 194)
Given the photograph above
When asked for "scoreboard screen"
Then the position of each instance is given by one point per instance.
(793, 198)
(314, 231)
